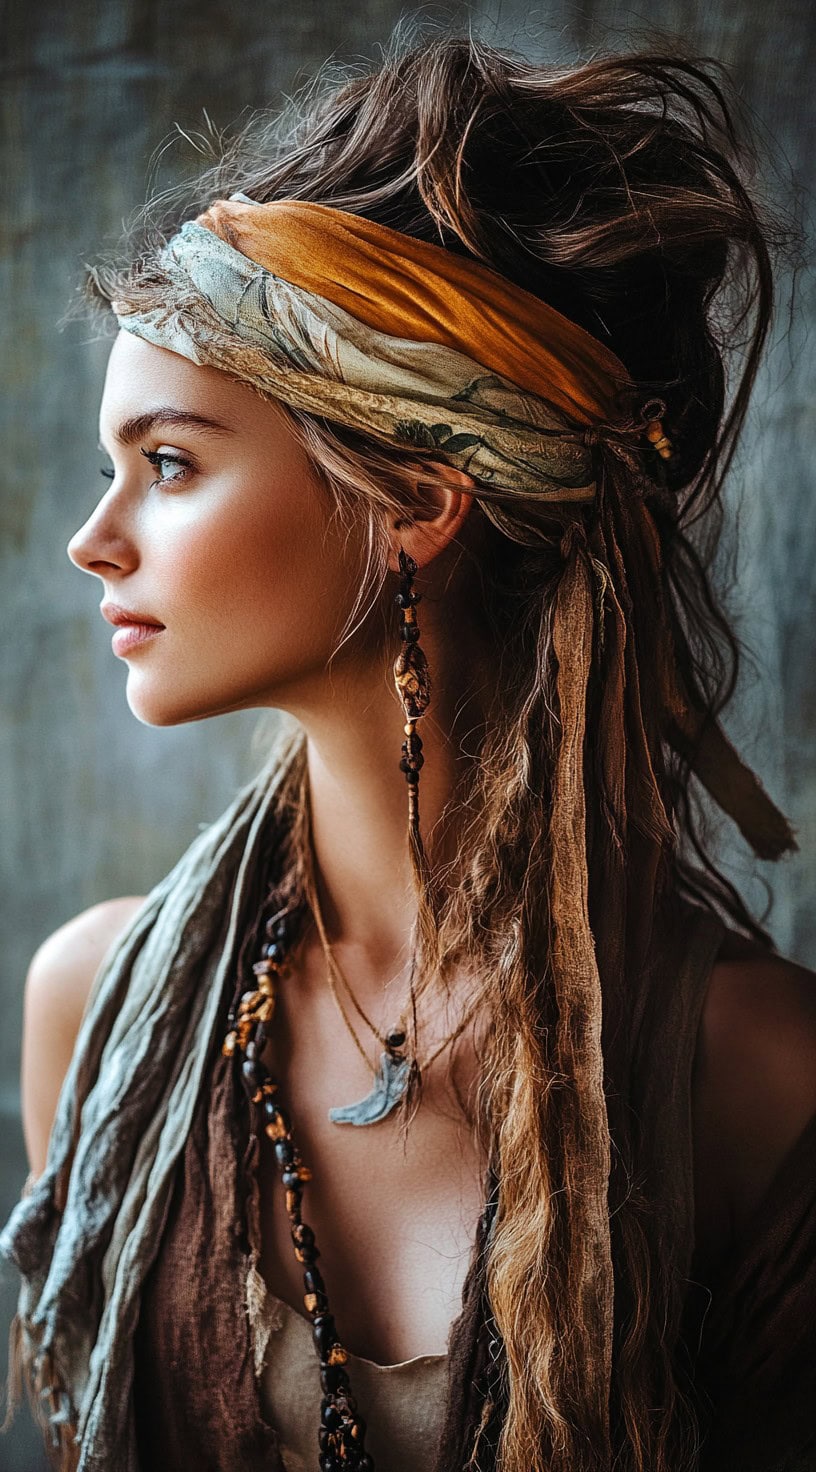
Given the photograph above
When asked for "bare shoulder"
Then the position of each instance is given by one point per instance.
(755, 1079)
(57, 986)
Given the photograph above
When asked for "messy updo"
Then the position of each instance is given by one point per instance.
(614, 189)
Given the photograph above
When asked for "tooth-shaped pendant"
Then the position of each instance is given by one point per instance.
(389, 1086)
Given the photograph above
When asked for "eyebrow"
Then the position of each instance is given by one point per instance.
(130, 431)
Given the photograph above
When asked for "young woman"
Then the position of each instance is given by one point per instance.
(491, 1148)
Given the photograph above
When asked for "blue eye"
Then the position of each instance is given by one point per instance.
(158, 460)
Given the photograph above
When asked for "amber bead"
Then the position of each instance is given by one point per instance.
(275, 1115)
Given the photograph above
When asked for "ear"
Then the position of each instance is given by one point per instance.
(426, 532)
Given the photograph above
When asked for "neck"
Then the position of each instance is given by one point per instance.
(359, 801)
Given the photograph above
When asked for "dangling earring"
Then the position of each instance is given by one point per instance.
(413, 684)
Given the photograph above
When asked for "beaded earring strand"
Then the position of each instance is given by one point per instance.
(341, 1435)
(413, 682)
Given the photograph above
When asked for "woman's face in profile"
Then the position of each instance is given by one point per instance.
(221, 533)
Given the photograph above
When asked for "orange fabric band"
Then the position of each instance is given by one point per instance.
(412, 289)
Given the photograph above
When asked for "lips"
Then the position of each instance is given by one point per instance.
(115, 614)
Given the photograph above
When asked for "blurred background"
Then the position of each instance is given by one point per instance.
(96, 101)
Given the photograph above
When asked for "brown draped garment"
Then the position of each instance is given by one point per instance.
(751, 1337)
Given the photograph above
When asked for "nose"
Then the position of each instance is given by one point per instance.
(97, 546)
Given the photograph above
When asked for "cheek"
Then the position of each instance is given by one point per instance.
(260, 583)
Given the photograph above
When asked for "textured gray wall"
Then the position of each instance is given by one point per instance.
(95, 804)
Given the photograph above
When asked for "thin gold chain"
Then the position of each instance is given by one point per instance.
(334, 966)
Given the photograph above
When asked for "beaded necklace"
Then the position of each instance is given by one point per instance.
(341, 1435)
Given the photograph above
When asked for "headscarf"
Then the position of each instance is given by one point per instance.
(425, 349)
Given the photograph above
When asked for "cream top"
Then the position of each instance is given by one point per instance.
(402, 1405)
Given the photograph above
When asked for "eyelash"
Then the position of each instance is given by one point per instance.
(157, 459)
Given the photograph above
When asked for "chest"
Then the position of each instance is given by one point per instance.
(394, 1215)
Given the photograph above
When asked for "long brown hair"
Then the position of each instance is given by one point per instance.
(614, 190)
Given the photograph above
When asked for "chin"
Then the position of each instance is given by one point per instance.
(148, 716)
(156, 708)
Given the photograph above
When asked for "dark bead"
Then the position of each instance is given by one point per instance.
(329, 1463)
(395, 1039)
(333, 1378)
(404, 767)
(332, 1420)
(303, 1235)
(291, 1180)
(324, 1333)
(412, 778)
(410, 632)
(365, 1463)
(284, 1152)
(260, 1035)
(313, 1281)
(249, 1075)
